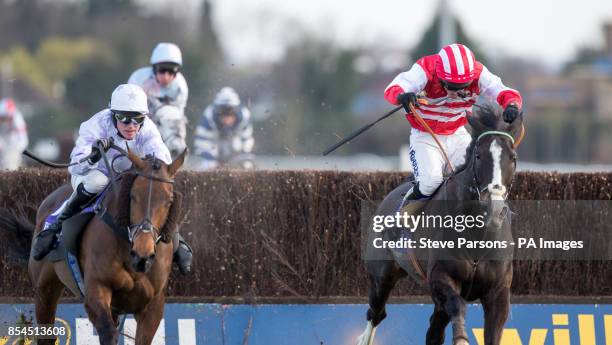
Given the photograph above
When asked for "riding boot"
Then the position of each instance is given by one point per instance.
(46, 240)
(183, 254)
(413, 200)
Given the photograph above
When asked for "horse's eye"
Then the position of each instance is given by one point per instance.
(478, 156)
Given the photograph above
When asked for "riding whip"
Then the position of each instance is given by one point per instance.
(359, 131)
(365, 128)
(422, 122)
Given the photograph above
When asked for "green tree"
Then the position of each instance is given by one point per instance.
(428, 44)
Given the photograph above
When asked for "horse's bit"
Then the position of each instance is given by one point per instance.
(146, 225)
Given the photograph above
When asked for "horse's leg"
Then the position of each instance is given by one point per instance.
(148, 320)
(437, 324)
(48, 292)
(446, 292)
(98, 307)
(496, 306)
(380, 287)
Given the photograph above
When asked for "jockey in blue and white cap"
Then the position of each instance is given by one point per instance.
(124, 123)
(225, 120)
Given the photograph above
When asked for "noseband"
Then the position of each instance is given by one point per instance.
(475, 183)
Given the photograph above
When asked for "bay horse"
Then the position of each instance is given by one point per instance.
(125, 269)
(454, 277)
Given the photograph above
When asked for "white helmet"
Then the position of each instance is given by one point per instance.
(167, 52)
(129, 97)
(227, 97)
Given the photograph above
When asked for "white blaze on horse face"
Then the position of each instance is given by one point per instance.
(496, 187)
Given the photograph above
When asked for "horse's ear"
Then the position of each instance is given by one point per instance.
(137, 161)
(177, 163)
(476, 123)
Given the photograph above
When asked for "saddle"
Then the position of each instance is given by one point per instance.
(65, 256)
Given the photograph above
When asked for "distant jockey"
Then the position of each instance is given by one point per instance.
(225, 131)
(13, 135)
(163, 81)
(450, 81)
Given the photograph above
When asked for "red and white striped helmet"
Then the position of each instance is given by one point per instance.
(456, 64)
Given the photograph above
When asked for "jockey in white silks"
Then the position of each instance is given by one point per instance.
(225, 131)
(167, 94)
(162, 81)
(125, 124)
(13, 135)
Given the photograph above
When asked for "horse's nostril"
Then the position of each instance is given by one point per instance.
(133, 253)
(152, 256)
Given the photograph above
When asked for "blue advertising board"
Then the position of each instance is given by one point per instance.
(316, 324)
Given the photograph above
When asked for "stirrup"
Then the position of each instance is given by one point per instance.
(48, 238)
(183, 256)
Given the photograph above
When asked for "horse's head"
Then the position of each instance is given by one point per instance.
(492, 159)
(172, 126)
(154, 207)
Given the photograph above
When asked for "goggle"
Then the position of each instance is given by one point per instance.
(166, 70)
(129, 118)
(455, 86)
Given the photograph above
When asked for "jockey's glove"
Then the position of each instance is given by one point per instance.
(105, 143)
(407, 98)
(511, 113)
(95, 155)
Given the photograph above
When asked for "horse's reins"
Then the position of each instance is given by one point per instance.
(146, 225)
(423, 123)
(502, 193)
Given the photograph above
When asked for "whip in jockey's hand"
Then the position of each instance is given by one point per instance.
(125, 124)
(407, 98)
(450, 82)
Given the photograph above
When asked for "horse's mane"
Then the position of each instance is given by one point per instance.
(489, 115)
(123, 205)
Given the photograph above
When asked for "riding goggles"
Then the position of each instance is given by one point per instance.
(129, 117)
(455, 86)
(166, 68)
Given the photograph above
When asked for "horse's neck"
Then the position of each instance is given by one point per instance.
(457, 187)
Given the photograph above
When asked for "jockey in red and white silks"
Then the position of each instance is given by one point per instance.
(13, 135)
(450, 81)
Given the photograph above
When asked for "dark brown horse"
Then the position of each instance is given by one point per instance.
(122, 274)
(454, 277)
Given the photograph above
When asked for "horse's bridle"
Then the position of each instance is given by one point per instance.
(146, 225)
(475, 183)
